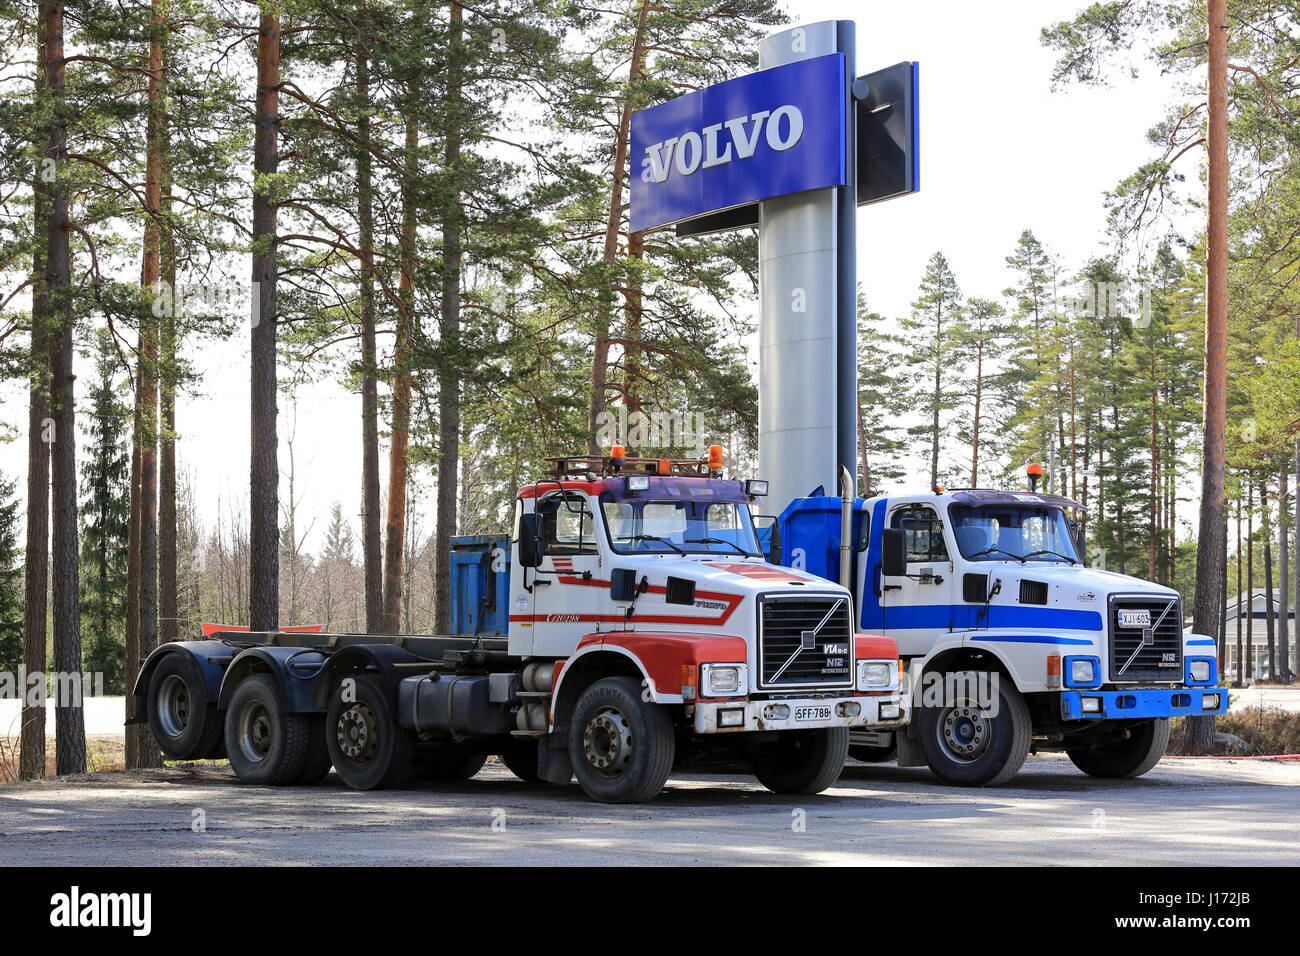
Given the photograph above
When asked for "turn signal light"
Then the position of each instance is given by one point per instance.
(1054, 670)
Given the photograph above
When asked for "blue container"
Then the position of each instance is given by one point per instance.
(480, 584)
(810, 534)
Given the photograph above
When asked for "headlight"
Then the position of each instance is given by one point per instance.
(1083, 672)
(1199, 671)
(723, 680)
(877, 675)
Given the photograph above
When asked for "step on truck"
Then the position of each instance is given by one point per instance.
(1012, 644)
(630, 625)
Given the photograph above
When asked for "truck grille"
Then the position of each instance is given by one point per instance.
(805, 641)
(1152, 653)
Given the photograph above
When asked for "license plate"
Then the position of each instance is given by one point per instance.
(812, 713)
(1134, 618)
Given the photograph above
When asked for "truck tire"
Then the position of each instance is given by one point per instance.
(264, 744)
(802, 761)
(967, 747)
(622, 746)
(445, 764)
(317, 765)
(1131, 757)
(874, 754)
(182, 717)
(520, 758)
(367, 746)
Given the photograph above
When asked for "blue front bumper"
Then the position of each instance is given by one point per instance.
(1144, 702)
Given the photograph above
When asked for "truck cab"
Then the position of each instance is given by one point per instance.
(1011, 642)
(629, 624)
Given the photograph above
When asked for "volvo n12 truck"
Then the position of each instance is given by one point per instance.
(630, 625)
(1011, 643)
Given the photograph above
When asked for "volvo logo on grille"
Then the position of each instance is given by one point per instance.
(808, 640)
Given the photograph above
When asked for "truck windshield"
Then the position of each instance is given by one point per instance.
(1013, 533)
(646, 526)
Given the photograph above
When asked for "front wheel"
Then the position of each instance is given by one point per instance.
(967, 740)
(1131, 757)
(802, 761)
(622, 746)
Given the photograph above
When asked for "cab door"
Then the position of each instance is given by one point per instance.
(569, 592)
(918, 605)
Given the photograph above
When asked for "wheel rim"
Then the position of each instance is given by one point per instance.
(255, 731)
(174, 706)
(964, 732)
(358, 733)
(607, 742)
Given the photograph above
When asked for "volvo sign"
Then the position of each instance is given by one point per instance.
(771, 133)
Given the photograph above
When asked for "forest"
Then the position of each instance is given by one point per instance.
(427, 203)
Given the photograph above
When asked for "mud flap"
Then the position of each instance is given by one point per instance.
(553, 764)
(909, 751)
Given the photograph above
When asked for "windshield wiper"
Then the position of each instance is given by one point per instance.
(739, 549)
(1055, 554)
(655, 537)
(991, 550)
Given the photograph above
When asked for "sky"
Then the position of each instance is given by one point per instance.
(1000, 152)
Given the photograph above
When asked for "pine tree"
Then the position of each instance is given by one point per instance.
(935, 333)
(11, 579)
(105, 517)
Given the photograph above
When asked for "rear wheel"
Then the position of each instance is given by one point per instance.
(802, 761)
(367, 746)
(182, 717)
(969, 742)
(1131, 757)
(317, 765)
(622, 746)
(265, 745)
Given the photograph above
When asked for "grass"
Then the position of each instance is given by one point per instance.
(103, 753)
(1269, 731)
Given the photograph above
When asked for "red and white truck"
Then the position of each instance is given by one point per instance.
(631, 624)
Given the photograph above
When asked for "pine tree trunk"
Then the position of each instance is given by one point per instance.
(264, 474)
(975, 428)
(1268, 581)
(1209, 562)
(613, 228)
(31, 760)
(168, 599)
(1250, 580)
(146, 751)
(1240, 678)
(69, 723)
(449, 380)
(372, 559)
(395, 525)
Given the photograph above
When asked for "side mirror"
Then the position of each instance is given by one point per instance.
(532, 545)
(622, 584)
(893, 544)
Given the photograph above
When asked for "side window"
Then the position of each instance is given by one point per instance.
(923, 532)
(568, 525)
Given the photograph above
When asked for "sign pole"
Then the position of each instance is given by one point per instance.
(807, 398)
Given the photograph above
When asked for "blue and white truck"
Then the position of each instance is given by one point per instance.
(1012, 644)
